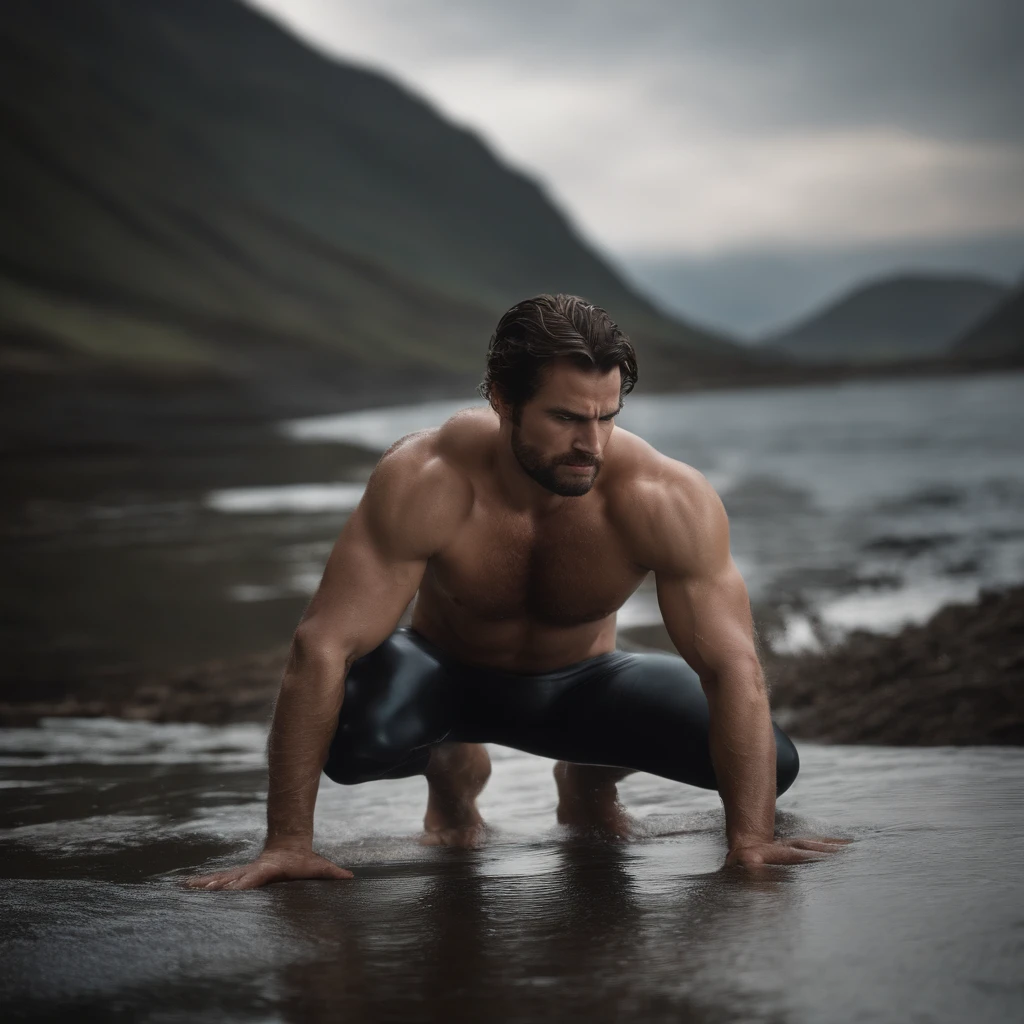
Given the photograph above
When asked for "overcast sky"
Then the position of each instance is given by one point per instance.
(741, 159)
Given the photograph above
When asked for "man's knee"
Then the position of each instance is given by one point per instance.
(787, 762)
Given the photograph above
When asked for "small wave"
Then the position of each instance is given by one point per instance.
(887, 611)
(374, 428)
(340, 497)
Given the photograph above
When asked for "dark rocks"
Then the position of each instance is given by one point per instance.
(958, 679)
(215, 692)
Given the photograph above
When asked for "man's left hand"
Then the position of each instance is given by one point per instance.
(782, 851)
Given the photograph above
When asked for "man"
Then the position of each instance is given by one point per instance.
(520, 530)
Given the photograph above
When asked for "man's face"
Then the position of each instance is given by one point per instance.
(561, 433)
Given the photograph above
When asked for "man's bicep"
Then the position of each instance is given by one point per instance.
(365, 588)
(413, 504)
(701, 593)
(708, 617)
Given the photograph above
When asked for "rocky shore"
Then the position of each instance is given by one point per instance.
(958, 679)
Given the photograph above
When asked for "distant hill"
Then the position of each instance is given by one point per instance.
(896, 318)
(185, 187)
(999, 335)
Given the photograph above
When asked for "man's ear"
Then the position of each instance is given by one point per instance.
(500, 406)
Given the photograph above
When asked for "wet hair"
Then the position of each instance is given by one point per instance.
(537, 331)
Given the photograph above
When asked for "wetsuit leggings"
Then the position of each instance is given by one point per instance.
(640, 711)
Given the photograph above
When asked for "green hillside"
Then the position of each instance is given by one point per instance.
(186, 187)
(997, 336)
(893, 319)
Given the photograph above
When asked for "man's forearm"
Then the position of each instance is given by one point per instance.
(743, 753)
(305, 719)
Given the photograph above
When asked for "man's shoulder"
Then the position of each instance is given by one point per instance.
(645, 477)
(467, 436)
(663, 507)
(423, 483)
(443, 456)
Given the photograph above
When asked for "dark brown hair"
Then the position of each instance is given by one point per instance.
(536, 331)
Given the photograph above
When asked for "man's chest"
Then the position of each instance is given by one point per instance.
(563, 570)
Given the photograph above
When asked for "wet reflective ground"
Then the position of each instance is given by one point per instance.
(852, 505)
(921, 918)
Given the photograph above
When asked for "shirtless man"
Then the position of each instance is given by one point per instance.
(520, 530)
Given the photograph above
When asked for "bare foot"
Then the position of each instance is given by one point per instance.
(588, 800)
(456, 774)
(468, 838)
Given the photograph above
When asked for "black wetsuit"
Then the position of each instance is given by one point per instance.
(641, 711)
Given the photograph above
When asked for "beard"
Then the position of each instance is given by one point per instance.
(545, 470)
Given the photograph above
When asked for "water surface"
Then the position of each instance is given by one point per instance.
(860, 504)
(921, 918)
(863, 504)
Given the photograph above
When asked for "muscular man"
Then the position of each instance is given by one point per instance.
(520, 530)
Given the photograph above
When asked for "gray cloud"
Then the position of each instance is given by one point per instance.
(951, 69)
(692, 139)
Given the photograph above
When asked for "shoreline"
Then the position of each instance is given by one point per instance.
(957, 679)
(99, 414)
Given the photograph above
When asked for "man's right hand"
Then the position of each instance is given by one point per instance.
(272, 865)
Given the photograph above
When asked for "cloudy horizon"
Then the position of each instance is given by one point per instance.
(740, 162)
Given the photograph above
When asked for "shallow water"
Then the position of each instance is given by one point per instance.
(921, 918)
(860, 504)
(865, 504)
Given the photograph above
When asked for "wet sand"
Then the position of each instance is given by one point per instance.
(920, 918)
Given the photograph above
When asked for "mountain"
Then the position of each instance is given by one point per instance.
(998, 336)
(892, 319)
(189, 190)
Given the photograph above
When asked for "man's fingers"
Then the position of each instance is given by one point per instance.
(259, 873)
(791, 855)
(249, 880)
(774, 855)
(221, 880)
(333, 871)
(784, 851)
(201, 881)
(232, 879)
(218, 880)
(254, 879)
(821, 846)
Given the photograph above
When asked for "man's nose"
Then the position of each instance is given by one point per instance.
(588, 438)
